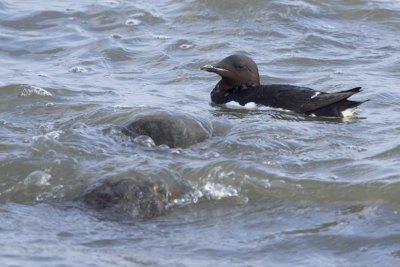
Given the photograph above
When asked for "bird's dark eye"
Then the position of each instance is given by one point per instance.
(240, 67)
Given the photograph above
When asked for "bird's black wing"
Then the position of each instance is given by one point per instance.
(324, 99)
(285, 96)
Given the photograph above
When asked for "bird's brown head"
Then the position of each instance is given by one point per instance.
(236, 71)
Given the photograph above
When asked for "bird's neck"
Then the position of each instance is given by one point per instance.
(223, 93)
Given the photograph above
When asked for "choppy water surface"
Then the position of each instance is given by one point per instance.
(268, 187)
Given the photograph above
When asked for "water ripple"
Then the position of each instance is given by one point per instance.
(265, 184)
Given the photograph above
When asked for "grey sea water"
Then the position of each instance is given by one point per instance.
(268, 188)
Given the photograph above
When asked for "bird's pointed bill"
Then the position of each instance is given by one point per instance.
(211, 68)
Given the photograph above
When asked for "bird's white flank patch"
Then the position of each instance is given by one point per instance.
(251, 106)
(236, 105)
(316, 94)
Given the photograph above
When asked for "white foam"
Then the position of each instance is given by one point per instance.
(28, 90)
(38, 178)
(161, 37)
(185, 46)
(210, 190)
(78, 69)
(132, 22)
(144, 140)
(218, 191)
(138, 14)
(50, 135)
(338, 72)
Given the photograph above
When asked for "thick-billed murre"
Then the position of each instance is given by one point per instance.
(241, 83)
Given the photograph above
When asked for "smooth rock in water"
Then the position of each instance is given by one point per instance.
(126, 197)
(172, 129)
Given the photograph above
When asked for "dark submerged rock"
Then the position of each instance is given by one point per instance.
(172, 129)
(126, 197)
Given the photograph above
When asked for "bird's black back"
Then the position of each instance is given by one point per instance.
(299, 99)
